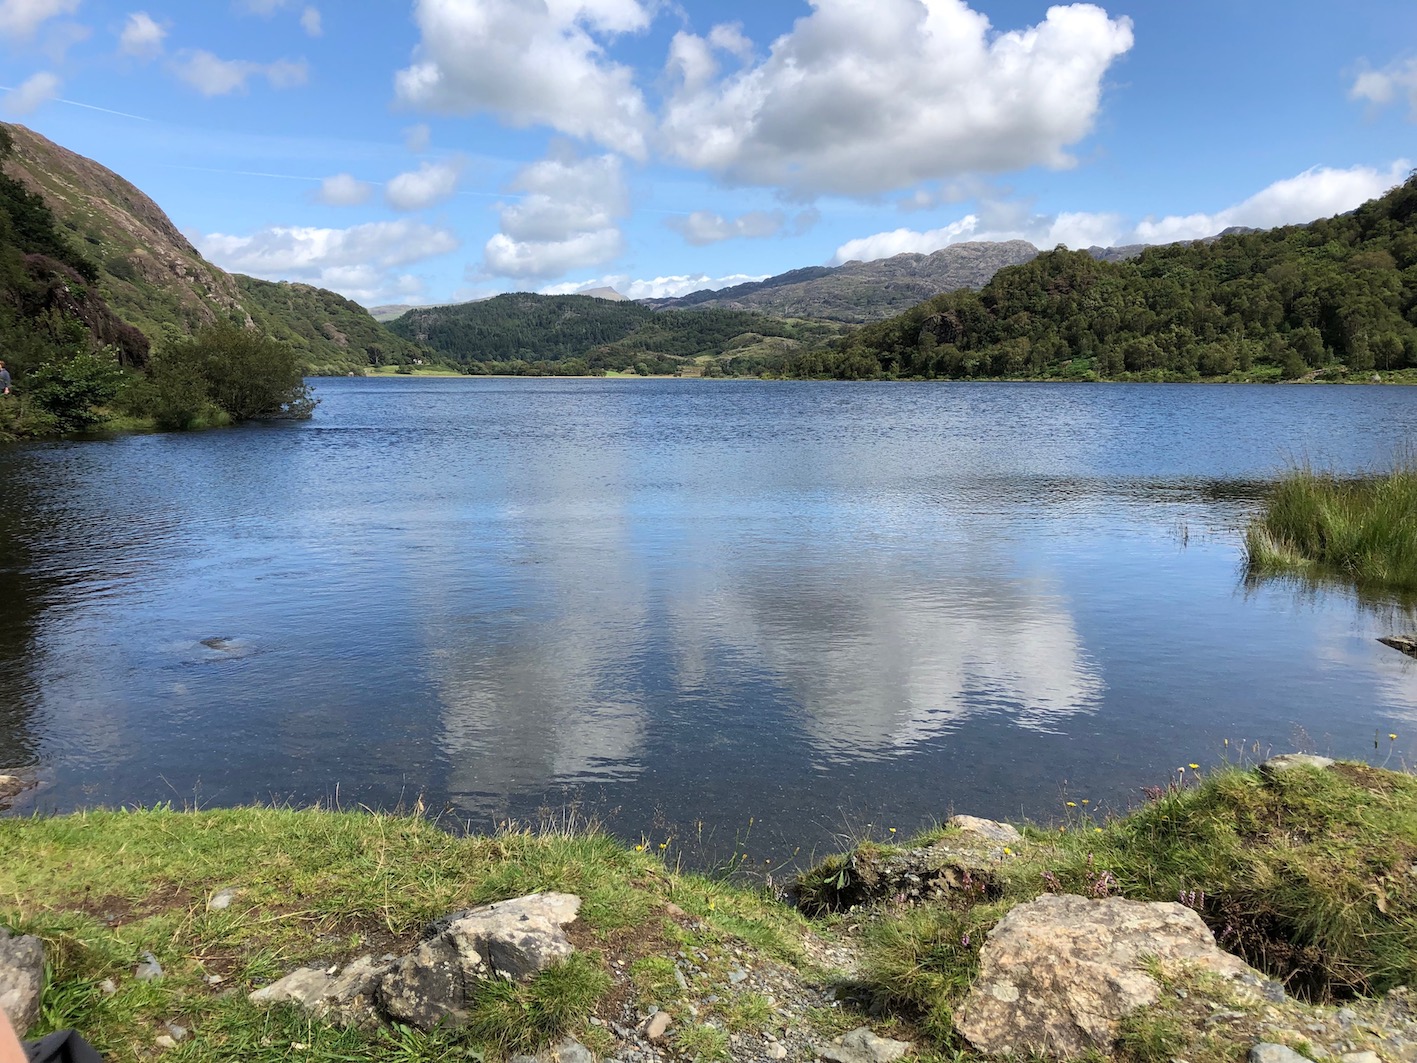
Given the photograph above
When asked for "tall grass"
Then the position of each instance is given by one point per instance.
(1363, 529)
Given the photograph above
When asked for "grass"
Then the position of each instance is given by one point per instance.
(1306, 875)
(314, 887)
(1361, 529)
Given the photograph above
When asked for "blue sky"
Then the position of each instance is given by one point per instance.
(437, 150)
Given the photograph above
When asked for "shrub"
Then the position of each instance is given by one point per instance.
(69, 391)
(239, 371)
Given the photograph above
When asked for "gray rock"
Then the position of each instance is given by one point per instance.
(21, 978)
(177, 1033)
(343, 998)
(513, 939)
(777, 1051)
(163, 1040)
(863, 1046)
(988, 830)
(149, 969)
(570, 1051)
(1361, 1057)
(1265, 1052)
(1057, 974)
(1291, 761)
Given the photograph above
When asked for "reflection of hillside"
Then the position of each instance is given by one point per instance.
(877, 662)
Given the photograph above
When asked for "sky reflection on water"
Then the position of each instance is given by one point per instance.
(682, 601)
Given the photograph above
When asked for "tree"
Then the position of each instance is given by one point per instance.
(242, 372)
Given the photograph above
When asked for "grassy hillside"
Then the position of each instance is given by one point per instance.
(332, 334)
(575, 334)
(156, 281)
(1337, 296)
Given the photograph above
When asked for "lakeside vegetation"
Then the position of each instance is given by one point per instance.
(1339, 294)
(1359, 529)
(1305, 874)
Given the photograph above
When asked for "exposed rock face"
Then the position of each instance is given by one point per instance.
(928, 873)
(436, 981)
(1058, 973)
(21, 978)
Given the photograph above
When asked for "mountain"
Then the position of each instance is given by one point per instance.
(155, 280)
(520, 330)
(1336, 296)
(862, 291)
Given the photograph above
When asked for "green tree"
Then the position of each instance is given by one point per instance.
(71, 390)
(242, 372)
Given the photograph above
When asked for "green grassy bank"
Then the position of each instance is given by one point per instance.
(1309, 875)
(1359, 529)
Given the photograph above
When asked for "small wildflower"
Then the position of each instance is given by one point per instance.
(965, 940)
(711, 905)
(1072, 804)
(1086, 801)
(1096, 830)
(1392, 737)
(892, 830)
(1194, 767)
(639, 848)
(1008, 851)
(663, 846)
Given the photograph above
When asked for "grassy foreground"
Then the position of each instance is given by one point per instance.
(1310, 875)
(1362, 529)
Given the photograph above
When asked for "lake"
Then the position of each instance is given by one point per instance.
(753, 616)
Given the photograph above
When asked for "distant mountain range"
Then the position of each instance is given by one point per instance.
(154, 279)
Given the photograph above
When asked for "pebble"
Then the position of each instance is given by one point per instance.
(737, 976)
(221, 900)
(777, 1051)
(108, 987)
(657, 1026)
(148, 969)
(178, 1033)
(1272, 1053)
(162, 1040)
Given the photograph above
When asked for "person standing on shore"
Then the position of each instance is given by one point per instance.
(4, 380)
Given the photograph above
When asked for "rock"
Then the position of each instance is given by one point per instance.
(658, 1025)
(986, 829)
(163, 1040)
(108, 987)
(569, 1051)
(1266, 1052)
(737, 976)
(21, 978)
(221, 900)
(1058, 973)
(1403, 643)
(862, 1046)
(345, 998)
(928, 873)
(177, 1033)
(149, 969)
(777, 1050)
(10, 785)
(674, 911)
(511, 939)
(1361, 1057)
(1291, 761)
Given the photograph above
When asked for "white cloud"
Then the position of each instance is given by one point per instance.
(32, 94)
(417, 138)
(142, 37)
(862, 98)
(361, 262)
(1319, 192)
(566, 219)
(212, 76)
(656, 287)
(1381, 87)
(430, 184)
(344, 190)
(530, 64)
(311, 22)
(704, 227)
(20, 18)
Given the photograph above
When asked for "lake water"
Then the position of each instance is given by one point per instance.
(751, 615)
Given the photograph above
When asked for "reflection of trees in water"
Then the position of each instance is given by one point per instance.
(22, 593)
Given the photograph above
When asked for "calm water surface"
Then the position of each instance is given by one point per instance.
(803, 607)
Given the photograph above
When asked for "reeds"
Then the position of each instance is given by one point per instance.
(1361, 528)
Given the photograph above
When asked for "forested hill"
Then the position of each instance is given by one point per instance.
(1338, 295)
(575, 334)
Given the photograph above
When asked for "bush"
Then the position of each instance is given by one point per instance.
(238, 371)
(69, 391)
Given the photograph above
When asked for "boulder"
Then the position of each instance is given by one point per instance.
(1267, 1052)
(988, 830)
(21, 978)
(512, 939)
(1292, 761)
(342, 998)
(1057, 974)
